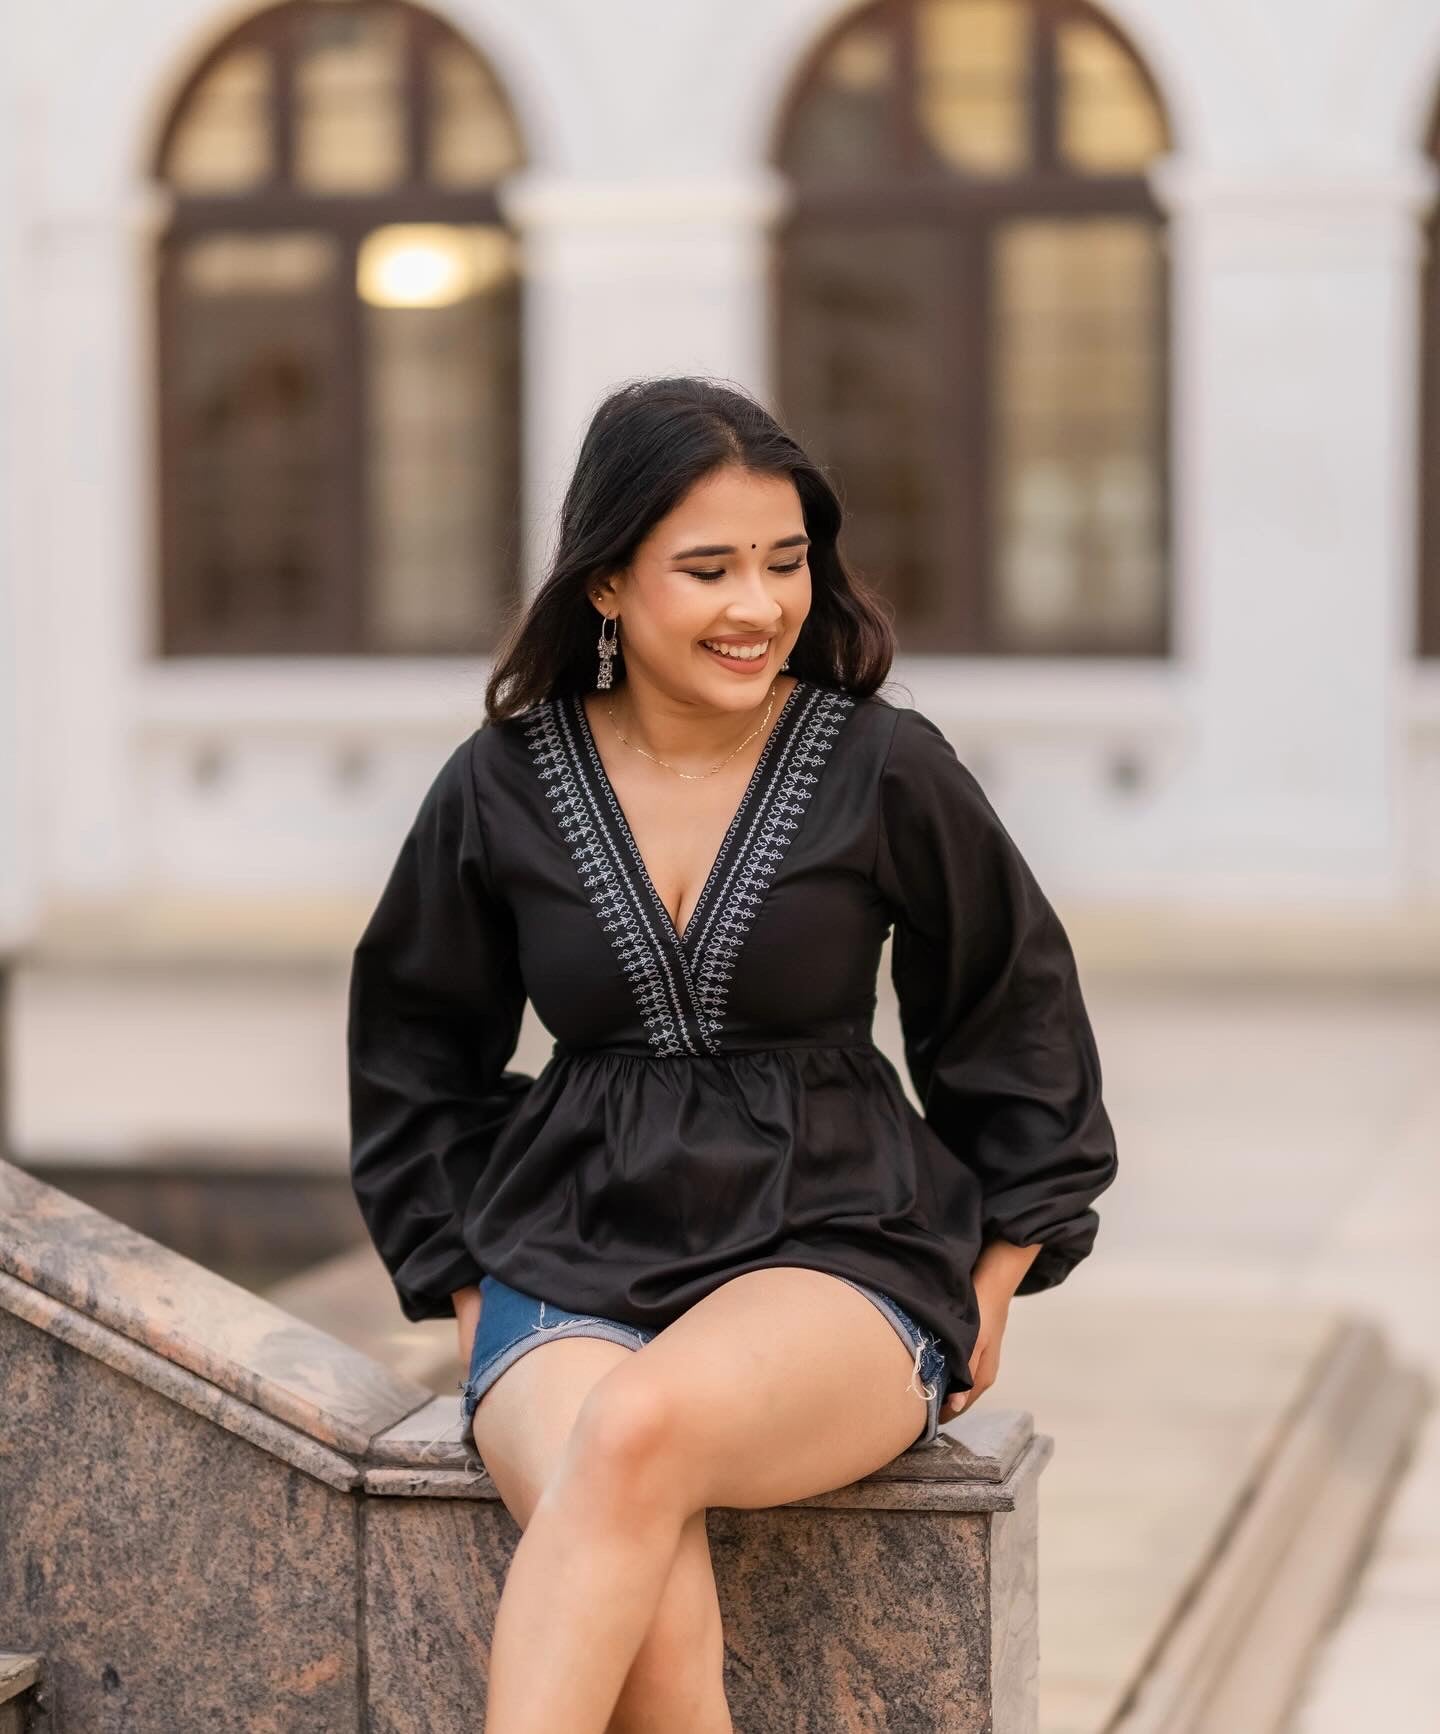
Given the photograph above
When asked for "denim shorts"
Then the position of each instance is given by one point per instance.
(513, 1322)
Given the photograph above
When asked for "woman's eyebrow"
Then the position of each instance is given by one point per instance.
(797, 541)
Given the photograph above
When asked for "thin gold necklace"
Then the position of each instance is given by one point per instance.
(695, 776)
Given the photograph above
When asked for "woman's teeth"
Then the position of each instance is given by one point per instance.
(737, 652)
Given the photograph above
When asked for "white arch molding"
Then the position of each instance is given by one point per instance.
(522, 59)
(795, 30)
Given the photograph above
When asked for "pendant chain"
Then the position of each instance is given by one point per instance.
(695, 776)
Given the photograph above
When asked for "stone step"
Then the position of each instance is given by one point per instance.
(21, 1684)
(1239, 1649)
(1197, 1440)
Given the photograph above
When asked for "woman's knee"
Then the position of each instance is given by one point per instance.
(626, 1442)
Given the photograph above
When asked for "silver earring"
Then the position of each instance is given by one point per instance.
(784, 665)
(605, 678)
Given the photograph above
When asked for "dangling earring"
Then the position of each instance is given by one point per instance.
(604, 679)
(784, 665)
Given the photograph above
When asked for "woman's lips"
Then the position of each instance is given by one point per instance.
(742, 666)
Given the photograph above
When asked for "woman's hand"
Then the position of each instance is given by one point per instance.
(467, 1318)
(985, 1358)
(997, 1275)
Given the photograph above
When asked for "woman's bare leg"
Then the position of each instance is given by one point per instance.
(721, 1408)
(676, 1680)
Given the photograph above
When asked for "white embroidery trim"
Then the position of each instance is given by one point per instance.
(771, 811)
(611, 890)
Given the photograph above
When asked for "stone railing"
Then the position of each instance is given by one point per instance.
(219, 1516)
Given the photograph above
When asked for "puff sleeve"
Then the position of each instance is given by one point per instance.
(997, 1039)
(435, 1004)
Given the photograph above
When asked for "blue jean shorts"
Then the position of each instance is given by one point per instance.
(513, 1322)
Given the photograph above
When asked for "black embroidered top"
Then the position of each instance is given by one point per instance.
(714, 1102)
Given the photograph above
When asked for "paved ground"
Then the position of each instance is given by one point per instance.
(1283, 1145)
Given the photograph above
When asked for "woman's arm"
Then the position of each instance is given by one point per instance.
(997, 1038)
(1002, 1266)
(436, 1002)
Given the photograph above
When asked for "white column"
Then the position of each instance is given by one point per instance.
(17, 649)
(625, 279)
(1296, 306)
(89, 411)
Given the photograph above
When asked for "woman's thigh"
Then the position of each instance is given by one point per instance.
(521, 1426)
(780, 1384)
(525, 1417)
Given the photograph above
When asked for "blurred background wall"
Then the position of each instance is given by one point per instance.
(1116, 328)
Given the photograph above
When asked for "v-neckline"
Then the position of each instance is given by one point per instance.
(757, 777)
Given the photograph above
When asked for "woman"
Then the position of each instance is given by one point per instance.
(755, 1271)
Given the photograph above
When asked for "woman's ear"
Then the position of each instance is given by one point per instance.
(605, 593)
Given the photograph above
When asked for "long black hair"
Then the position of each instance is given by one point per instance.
(648, 443)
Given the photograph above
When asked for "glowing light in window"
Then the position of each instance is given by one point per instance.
(431, 264)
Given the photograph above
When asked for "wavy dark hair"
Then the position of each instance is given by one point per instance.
(648, 443)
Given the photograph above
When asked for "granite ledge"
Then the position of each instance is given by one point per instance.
(976, 1450)
(871, 1494)
(19, 1671)
(196, 1319)
(180, 1386)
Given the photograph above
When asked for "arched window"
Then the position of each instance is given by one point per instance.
(1428, 621)
(338, 341)
(972, 320)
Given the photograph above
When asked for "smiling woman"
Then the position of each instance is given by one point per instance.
(744, 612)
(690, 499)
(692, 877)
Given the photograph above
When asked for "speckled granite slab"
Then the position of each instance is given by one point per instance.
(194, 1318)
(886, 1619)
(174, 1575)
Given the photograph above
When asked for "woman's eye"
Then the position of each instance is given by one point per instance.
(793, 567)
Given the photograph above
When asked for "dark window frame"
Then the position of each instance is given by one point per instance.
(339, 628)
(970, 211)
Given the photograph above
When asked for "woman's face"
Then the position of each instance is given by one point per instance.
(727, 564)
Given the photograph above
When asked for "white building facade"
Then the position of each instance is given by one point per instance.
(195, 818)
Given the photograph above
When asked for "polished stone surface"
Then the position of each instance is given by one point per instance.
(195, 1319)
(1014, 1613)
(860, 1621)
(147, 1368)
(174, 1575)
(433, 1576)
